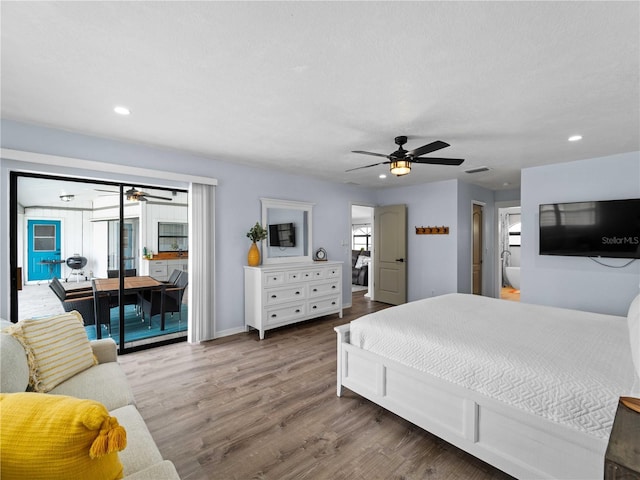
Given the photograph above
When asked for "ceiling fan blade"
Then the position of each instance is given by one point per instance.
(154, 196)
(366, 166)
(370, 153)
(428, 148)
(439, 161)
(108, 191)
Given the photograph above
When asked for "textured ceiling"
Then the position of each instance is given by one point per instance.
(298, 85)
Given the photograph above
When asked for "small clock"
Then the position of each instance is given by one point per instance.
(320, 255)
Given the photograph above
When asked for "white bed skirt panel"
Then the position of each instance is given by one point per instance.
(517, 442)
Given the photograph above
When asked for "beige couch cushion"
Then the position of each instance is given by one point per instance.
(14, 369)
(165, 471)
(105, 383)
(141, 451)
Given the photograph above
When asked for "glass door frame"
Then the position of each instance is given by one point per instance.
(13, 249)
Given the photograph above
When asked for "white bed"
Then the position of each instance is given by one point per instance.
(529, 389)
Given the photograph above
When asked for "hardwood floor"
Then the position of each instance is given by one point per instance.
(509, 293)
(241, 408)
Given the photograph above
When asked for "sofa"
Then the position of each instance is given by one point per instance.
(360, 267)
(104, 382)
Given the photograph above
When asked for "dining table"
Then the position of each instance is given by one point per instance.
(105, 288)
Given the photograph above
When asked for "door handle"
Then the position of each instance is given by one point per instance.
(401, 260)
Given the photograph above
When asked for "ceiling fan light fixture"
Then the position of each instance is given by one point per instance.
(67, 198)
(400, 167)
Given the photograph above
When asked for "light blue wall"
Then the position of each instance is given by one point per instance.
(238, 204)
(577, 282)
(437, 264)
(432, 263)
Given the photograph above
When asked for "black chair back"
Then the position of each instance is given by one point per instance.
(58, 289)
(129, 272)
(173, 278)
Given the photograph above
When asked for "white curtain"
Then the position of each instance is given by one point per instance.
(201, 262)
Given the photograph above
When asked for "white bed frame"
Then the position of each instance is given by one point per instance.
(519, 443)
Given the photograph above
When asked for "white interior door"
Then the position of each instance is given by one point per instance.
(390, 250)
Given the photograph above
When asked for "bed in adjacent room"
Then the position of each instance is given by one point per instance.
(530, 389)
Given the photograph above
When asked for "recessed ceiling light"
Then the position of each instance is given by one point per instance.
(575, 138)
(120, 110)
(382, 175)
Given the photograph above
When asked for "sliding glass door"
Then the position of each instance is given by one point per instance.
(121, 248)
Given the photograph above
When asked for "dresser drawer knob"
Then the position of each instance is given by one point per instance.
(297, 293)
(297, 310)
(333, 287)
(315, 306)
(274, 296)
(333, 303)
(315, 289)
(274, 315)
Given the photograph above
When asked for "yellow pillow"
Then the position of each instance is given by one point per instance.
(52, 437)
(57, 348)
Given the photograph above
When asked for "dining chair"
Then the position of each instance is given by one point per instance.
(151, 301)
(129, 299)
(83, 301)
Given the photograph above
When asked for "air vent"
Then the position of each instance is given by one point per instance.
(477, 170)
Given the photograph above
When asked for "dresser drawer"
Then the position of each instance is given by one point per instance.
(317, 274)
(273, 296)
(294, 277)
(278, 315)
(333, 272)
(274, 278)
(324, 305)
(158, 270)
(317, 289)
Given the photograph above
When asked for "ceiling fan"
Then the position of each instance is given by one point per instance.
(136, 195)
(400, 161)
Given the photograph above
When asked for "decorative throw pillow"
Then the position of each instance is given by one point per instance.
(52, 437)
(362, 261)
(57, 348)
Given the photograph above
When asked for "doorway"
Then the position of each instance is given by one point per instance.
(509, 246)
(43, 250)
(361, 249)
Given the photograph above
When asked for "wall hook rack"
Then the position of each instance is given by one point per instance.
(432, 230)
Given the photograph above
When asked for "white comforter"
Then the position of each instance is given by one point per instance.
(565, 365)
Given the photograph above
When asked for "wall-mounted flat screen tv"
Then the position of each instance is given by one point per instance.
(282, 235)
(609, 228)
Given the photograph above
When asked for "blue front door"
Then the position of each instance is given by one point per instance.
(43, 252)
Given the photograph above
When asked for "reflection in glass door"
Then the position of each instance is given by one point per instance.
(130, 244)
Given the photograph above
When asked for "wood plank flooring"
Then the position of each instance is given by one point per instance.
(241, 408)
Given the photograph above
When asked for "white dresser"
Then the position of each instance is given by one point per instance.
(285, 293)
